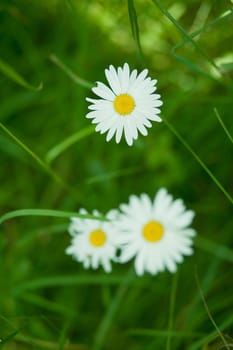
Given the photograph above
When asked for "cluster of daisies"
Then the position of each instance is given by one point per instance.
(156, 234)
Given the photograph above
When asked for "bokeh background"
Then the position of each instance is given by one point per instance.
(47, 300)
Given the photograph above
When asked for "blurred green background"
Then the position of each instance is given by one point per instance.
(47, 301)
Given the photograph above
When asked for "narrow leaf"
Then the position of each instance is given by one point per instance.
(215, 248)
(171, 310)
(6, 69)
(47, 212)
(196, 33)
(80, 81)
(202, 164)
(54, 152)
(161, 333)
(186, 35)
(8, 338)
(67, 280)
(134, 25)
(222, 337)
(41, 163)
(114, 306)
(223, 125)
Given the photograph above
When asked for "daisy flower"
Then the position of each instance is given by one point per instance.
(93, 241)
(155, 233)
(128, 105)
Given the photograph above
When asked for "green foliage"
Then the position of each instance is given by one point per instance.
(53, 163)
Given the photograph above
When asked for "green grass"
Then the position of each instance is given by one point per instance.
(53, 163)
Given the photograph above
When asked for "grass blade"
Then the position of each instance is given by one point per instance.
(64, 335)
(41, 163)
(54, 152)
(209, 338)
(214, 248)
(35, 343)
(45, 304)
(111, 311)
(171, 310)
(186, 35)
(207, 170)
(134, 25)
(47, 212)
(161, 333)
(223, 125)
(193, 35)
(6, 69)
(67, 280)
(70, 73)
(8, 338)
(113, 175)
(209, 313)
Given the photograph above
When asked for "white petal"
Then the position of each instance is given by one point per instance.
(128, 252)
(146, 204)
(171, 265)
(100, 105)
(140, 263)
(107, 124)
(86, 263)
(147, 123)
(119, 132)
(130, 121)
(106, 265)
(157, 103)
(189, 232)
(133, 77)
(124, 78)
(128, 134)
(154, 263)
(113, 80)
(142, 75)
(154, 118)
(141, 128)
(111, 133)
(186, 218)
(103, 91)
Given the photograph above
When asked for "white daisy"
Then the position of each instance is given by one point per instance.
(129, 105)
(156, 233)
(93, 241)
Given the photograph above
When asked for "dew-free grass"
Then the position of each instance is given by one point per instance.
(52, 164)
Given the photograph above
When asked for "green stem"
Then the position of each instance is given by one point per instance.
(135, 27)
(113, 307)
(171, 310)
(41, 163)
(185, 34)
(70, 73)
(207, 170)
(223, 125)
(54, 152)
(209, 313)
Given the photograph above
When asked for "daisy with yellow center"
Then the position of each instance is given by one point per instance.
(155, 233)
(93, 241)
(127, 106)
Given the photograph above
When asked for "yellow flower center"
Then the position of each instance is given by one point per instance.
(153, 231)
(124, 104)
(97, 238)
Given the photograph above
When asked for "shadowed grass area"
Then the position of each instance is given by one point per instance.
(53, 163)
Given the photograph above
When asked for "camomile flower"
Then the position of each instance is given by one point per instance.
(93, 241)
(127, 106)
(155, 232)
